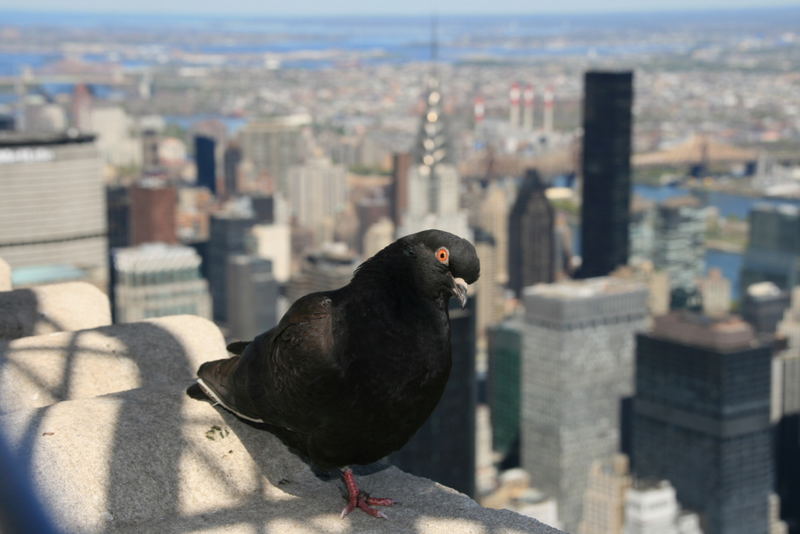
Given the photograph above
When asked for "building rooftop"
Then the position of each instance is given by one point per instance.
(583, 289)
(723, 334)
(20, 139)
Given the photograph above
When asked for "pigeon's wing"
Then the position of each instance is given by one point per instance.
(294, 371)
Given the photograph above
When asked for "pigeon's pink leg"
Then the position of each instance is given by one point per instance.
(361, 499)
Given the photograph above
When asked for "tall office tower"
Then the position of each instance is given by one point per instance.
(651, 507)
(493, 218)
(81, 108)
(155, 280)
(231, 160)
(118, 216)
(489, 308)
(773, 250)
(604, 502)
(252, 296)
(504, 380)
(377, 236)
(549, 103)
(443, 449)
(229, 234)
(433, 180)
(153, 212)
(205, 158)
(151, 160)
(531, 247)
(715, 291)
(680, 227)
(263, 207)
(273, 145)
(577, 368)
(273, 242)
(703, 386)
(786, 414)
(52, 205)
(763, 306)
(330, 267)
(513, 105)
(527, 110)
(642, 230)
(398, 190)
(605, 209)
(370, 208)
(317, 192)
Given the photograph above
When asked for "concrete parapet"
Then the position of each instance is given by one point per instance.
(52, 308)
(40, 370)
(154, 460)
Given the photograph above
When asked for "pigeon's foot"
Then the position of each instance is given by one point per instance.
(361, 499)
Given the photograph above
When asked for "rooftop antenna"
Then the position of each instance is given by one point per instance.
(434, 48)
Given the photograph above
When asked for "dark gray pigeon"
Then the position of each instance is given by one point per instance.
(348, 376)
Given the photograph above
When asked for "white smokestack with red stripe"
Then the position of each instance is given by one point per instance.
(527, 110)
(479, 110)
(549, 103)
(513, 97)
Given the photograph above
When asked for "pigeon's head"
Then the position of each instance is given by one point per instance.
(443, 263)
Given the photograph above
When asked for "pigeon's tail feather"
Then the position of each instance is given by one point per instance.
(215, 379)
(237, 347)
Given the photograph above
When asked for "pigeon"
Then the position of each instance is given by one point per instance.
(348, 376)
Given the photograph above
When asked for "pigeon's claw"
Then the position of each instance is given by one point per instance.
(361, 499)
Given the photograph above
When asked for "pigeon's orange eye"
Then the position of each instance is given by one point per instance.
(443, 255)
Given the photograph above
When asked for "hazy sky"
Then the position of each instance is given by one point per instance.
(306, 7)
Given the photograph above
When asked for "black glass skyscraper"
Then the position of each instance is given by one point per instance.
(531, 246)
(702, 419)
(204, 148)
(607, 121)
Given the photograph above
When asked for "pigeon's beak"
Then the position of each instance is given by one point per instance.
(460, 290)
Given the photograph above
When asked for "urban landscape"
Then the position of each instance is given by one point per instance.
(628, 361)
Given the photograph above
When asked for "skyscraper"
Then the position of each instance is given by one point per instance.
(577, 368)
(493, 218)
(273, 145)
(763, 306)
(773, 250)
(443, 449)
(206, 161)
(605, 210)
(680, 227)
(504, 388)
(531, 246)
(317, 192)
(329, 267)
(153, 212)
(229, 234)
(231, 159)
(703, 386)
(433, 180)
(155, 280)
(52, 204)
(398, 194)
(252, 296)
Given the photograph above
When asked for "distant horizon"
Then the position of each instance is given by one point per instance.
(630, 8)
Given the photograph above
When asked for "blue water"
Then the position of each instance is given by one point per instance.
(728, 204)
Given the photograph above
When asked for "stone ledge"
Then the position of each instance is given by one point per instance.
(40, 370)
(154, 460)
(52, 308)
